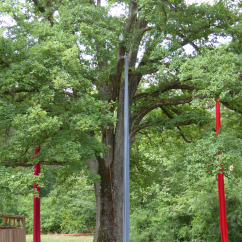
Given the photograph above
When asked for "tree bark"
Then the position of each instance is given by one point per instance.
(109, 215)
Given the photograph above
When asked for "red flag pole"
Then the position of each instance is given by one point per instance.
(36, 208)
(221, 193)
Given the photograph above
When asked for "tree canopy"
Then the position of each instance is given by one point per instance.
(61, 87)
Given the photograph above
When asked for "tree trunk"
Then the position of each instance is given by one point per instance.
(109, 217)
(106, 229)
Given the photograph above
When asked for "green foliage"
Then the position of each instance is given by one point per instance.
(35, 110)
(68, 208)
(61, 70)
(174, 184)
(15, 180)
(215, 74)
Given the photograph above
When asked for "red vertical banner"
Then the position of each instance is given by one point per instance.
(36, 208)
(221, 193)
(218, 122)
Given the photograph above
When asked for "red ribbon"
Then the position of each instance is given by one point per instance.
(36, 208)
(221, 193)
(218, 122)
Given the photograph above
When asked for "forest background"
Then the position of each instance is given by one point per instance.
(59, 62)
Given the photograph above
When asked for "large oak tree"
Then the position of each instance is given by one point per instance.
(62, 83)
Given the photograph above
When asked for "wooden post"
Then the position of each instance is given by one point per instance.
(23, 222)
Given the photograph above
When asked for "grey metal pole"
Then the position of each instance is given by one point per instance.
(126, 202)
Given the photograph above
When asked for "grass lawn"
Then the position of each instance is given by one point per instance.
(62, 238)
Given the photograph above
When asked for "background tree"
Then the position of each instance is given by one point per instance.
(62, 87)
(181, 204)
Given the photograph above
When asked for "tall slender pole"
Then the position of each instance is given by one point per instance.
(36, 208)
(126, 202)
(221, 192)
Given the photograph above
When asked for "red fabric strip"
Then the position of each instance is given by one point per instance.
(222, 208)
(36, 207)
(221, 193)
(218, 122)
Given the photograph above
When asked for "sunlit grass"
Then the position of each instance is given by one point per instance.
(62, 238)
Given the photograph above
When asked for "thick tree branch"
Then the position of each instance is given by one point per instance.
(133, 54)
(138, 128)
(116, 78)
(172, 85)
(174, 110)
(41, 9)
(157, 104)
(18, 90)
(148, 28)
(178, 127)
(15, 163)
(138, 35)
(237, 108)
(156, 93)
(19, 99)
(144, 125)
(48, 4)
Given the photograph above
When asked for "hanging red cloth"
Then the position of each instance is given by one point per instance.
(218, 122)
(36, 207)
(221, 193)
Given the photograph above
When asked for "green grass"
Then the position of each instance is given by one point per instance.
(62, 238)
